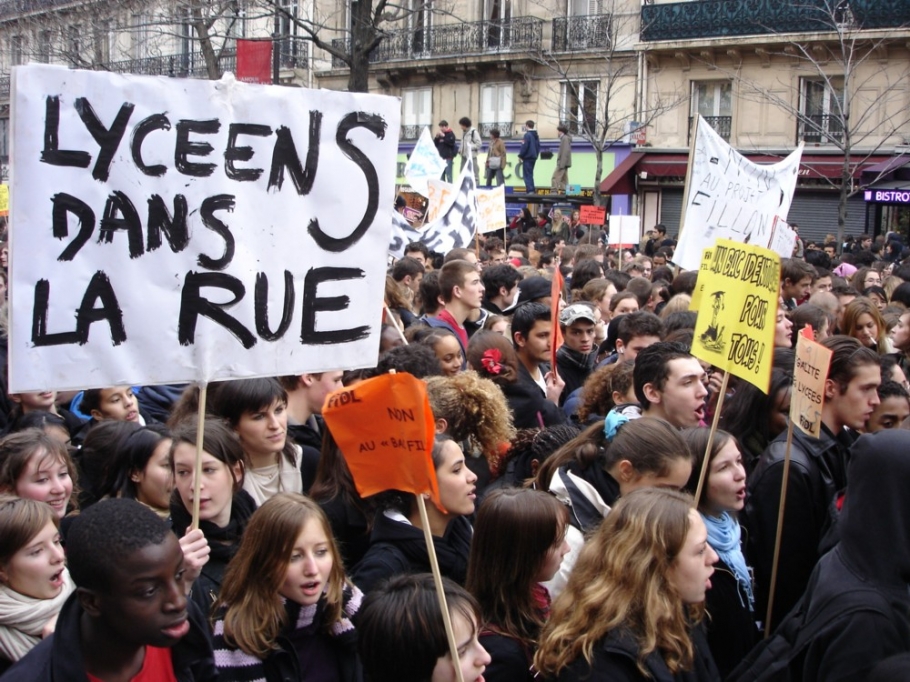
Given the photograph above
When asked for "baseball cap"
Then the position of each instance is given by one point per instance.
(575, 312)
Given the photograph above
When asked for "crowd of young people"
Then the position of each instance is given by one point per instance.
(569, 540)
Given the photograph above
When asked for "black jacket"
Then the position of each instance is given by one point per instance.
(398, 548)
(574, 368)
(510, 659)
(616, 660)
(350, 528)
(729, 623)
(818, 470)
(873, 554)
(59, 657)
(309, 437)
(527, 400)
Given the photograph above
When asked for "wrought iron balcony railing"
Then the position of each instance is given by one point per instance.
(505, 128)
(716, 18)
(820, 129)
(575, 34)
(722, 126)
(186, 65)
(451, 40)
(412, 132)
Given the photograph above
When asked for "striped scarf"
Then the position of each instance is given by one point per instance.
(235, 664)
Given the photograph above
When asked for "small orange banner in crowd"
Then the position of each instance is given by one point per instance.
(385, 429)
(592, 215)
(556, 339)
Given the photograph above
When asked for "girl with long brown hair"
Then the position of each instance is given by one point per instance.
(513, 603)
(632, 604)
(285, 606)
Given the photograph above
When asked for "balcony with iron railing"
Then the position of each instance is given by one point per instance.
(579, 33)
(504, 127)
(473, 38)
(721, 18)
(722, 125)
(820, 129)
(293, 54)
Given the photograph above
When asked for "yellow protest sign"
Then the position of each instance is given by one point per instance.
(4, 200)
(809, 374)
(738, 310)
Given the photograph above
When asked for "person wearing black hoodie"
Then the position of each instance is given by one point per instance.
(397, 544)
(870, 566)
(576, 358)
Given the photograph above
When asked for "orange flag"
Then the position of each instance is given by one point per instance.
(555, 331)
(385, 429)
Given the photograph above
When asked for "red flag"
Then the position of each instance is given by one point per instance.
(385, 429)
(254, 61)
(555, 331)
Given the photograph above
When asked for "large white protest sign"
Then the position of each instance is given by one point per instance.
(783, 239)
(452, 229)
(423, 164)
(169, 230)
(730, 197)
(491, 209)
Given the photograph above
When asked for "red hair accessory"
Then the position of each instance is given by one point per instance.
(491, 360)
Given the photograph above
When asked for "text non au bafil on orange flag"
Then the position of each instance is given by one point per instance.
(384, 428)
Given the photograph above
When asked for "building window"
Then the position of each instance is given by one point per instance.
(104, 39)
(139, 36)
(821, 110)
(497, 14)
(581, 8)
(578, 106)
(713, 100)
(74, 44)
(44, 46)
(496, 109)
(17, 50)
(420, 23)
(287, 29)
(416, 112)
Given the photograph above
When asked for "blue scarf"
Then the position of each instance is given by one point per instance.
(724, 536)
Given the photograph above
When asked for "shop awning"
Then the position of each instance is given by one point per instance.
(619, 181)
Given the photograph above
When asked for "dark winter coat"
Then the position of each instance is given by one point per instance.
(530, 146)
(730, 624)
(309, 437)
(873, 553)
(398, 548)
(224, 543)
(574, 367)
(59, 657)
(616, 660)
(350, 528)
(527, 401)
(510, 659)
(818, 471)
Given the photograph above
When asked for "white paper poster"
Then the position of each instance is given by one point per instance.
(730, 197)
(168, 229)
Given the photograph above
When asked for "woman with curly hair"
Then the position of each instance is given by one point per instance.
(633, 603)
(864, 322)
(608, 387)
(472, 410)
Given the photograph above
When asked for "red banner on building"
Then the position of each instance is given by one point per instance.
(254, 61)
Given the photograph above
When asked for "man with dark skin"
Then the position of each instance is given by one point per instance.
(129, 615)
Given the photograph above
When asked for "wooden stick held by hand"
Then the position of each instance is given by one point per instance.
(197, 469)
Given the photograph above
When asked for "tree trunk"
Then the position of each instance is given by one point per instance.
(205, 45)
